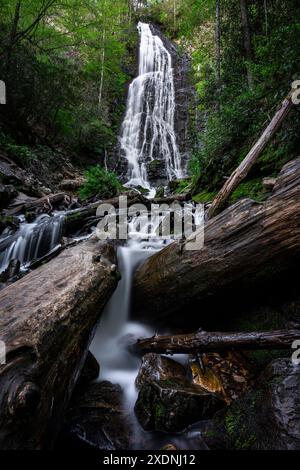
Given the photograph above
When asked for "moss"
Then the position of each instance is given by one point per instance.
(264, 319)
(204, 197)
(238, 430)
(159, 412)
(252, 189)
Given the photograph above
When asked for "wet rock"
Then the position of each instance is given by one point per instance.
(266, 418)
(90, 371)
(169, 447)
(269, 183)
(71, 185)
(155, 367)
(157, 170)
(8, 224)
(173, 405)
(226, 374)
(7, 193)
(96, 420)
(11, 271)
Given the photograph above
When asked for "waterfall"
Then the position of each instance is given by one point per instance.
(32, 241)
(147, 131)
(147, 134)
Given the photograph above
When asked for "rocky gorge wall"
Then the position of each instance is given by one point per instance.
(185, 99)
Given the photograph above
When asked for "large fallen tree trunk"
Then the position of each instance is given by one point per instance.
(45, 204)
(203, 341)
(243, 247)
(243, 169)
(46, 322)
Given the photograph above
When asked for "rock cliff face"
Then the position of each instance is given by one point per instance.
(185, 96)
(184, 99)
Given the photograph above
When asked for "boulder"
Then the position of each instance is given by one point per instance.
(71, 185)
(90, 371)
(157, 170)
(225, 373)
(96, 420)
(266, 418)
(155, 367)
(173, 405)
(7, 193)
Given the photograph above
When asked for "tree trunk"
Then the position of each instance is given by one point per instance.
(203, 341)
(45, 204)
(13, 33)
(46, 322)
(266, 17)
(218, 41)
(247, 40)
(102, 70)
(243, 247)
(243, 169)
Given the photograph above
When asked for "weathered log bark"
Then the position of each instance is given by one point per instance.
(203, 341)
(243, 169)
(46, 322)
(243, 247)
(46, 204)
(172, 198)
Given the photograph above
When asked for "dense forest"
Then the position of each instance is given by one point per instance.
(67, 66)
(189, 110)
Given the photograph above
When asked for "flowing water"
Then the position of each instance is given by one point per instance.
(148, 127)
(32, 240)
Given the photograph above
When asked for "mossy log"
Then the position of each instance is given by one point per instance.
(244, 247)
(46, 322)
(203, 341)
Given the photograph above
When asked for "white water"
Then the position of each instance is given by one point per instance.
(148, 127)
(32, 241)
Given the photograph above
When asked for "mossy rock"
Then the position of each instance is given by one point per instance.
(266, 418)
(172, 405)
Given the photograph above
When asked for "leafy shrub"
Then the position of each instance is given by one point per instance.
(23, 153)
(99, 182)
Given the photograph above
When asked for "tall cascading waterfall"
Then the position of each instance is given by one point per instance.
(148, 131)
(148, 126)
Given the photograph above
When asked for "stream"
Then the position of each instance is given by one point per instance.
(150, 112)
(147, 130)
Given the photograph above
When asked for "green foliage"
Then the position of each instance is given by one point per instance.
(204, 197)
(21, 152)
(233, 115)
(100, 183)
(252, 189)
(237, 430)
(66, 64)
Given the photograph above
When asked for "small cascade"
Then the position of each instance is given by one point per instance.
(32, 241)
(148, 128)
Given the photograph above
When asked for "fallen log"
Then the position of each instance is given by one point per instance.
(244, 247)
(79, 219)
(45, 204)
(180, 198)
(203, 341)
(245, 166)
(46, 322)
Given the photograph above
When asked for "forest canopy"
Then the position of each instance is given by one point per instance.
(67, 66)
